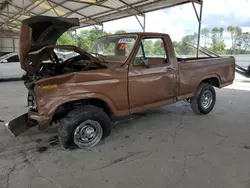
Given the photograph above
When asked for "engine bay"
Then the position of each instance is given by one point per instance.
(56, 66)
(53, 67)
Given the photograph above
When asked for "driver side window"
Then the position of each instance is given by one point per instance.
(152, 49)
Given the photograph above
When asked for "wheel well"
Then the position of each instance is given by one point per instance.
(213, 81)
(66, 107)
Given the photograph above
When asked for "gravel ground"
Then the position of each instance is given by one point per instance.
(168, 147)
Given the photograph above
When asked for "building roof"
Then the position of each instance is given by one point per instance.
(89, 12)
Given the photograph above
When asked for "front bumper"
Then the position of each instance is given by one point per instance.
(20, 124)
(25, 121)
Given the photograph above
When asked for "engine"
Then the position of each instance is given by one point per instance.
(49, 69)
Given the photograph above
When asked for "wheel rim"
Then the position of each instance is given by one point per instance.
(206, 99)
(88, 134)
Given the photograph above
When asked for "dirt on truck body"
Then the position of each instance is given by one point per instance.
(116, 77)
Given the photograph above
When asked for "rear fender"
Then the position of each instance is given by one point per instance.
(196, 82)
(211, 76)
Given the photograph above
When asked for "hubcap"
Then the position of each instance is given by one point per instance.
(88, 134)
(206, 99)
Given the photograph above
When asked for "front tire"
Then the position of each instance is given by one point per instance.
(204, 100)
(84, 127)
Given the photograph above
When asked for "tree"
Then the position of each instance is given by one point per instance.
(177, 47)
(87, 37)
(184, 47)
(240, 41)
(157, 48)
(218, 44)
(195, 39)
(190, 39)
(205, 35)
(120, 31)
(221, 33)
(235, 33)
(230, 29)
(66, 38)
(246, 41)
(148, 47)
(218, 47)
(215, 35)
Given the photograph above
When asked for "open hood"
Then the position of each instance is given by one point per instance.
(39, 31)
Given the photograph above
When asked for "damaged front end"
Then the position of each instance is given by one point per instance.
(38, 36)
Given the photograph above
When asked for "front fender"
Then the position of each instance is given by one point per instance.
(48, 109)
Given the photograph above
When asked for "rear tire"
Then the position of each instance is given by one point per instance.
(84, 127)
(204, 100)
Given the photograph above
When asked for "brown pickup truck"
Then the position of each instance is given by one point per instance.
(118, 76)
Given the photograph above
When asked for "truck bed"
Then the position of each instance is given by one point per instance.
(193, 71)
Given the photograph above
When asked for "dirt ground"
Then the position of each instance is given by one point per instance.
(168, 147)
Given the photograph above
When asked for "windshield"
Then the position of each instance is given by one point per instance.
(113, 48)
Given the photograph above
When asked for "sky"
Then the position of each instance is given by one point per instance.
(180, 21)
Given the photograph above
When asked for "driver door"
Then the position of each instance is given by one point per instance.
(151, 79)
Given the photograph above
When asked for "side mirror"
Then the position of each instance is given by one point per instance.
(4, 61)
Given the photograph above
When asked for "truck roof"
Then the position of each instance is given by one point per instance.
(140, 34)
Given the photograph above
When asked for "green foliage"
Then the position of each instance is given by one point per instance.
(183, 47)
(218, 44)
(218, 47)
(215, 35)
(157, 48)
(213, 40)
(221, 30)
(120, 32)
(237, 38)
(240, 42)
(66, 38)
(148, 47)
(205, 35)
(86, 38)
